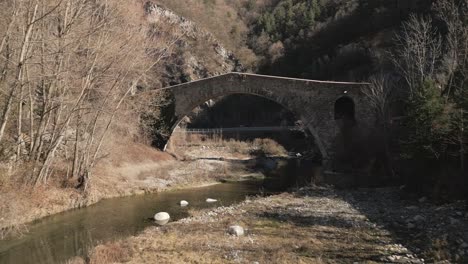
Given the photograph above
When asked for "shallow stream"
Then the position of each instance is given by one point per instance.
(57, 238)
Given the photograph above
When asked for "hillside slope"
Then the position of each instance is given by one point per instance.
(319, 39)
(197, 52)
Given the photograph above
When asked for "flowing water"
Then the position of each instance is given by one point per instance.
(57, 238)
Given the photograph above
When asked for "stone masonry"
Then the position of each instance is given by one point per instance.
(311, 101)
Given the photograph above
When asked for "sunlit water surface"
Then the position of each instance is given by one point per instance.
(57, 238)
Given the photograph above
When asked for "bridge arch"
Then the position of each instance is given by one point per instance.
(313, 102)
(270, 97)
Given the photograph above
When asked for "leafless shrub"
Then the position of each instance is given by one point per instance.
(379, 93)
(269, 147)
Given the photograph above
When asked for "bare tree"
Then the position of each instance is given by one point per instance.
(31, 21)
(455, 64)
(380, 94)
(419, 49)
(67, 70)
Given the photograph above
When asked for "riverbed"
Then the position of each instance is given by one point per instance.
(57, 238)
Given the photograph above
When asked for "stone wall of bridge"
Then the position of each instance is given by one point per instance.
(311, 101)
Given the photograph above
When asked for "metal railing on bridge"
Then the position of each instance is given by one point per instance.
(237, 129)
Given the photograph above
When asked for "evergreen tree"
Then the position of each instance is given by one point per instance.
(428, 124)
(288, 18)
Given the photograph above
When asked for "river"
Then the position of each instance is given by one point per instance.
(57, 238)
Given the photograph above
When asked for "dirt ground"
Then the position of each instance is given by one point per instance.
(311, 225)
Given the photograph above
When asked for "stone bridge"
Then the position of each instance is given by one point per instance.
(323, 106)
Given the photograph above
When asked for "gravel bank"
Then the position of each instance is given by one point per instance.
(312, 225)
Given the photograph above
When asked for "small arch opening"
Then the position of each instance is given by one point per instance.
(345, 109)
(345, 141)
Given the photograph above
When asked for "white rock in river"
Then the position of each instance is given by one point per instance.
(236, 230)
(162, 218)
(209, 200)
(183, 203)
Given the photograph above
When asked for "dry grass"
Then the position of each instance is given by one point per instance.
(19, 205)
(76, 260)
(214, 145)
(268, 147)
(110, 253)
(126, 169)
(271, 236)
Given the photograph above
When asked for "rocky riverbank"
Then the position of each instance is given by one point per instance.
(140, 170)
(311, 225)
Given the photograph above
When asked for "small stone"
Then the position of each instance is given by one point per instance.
(411, 225)
(236, 230)
(454, 221)
(464, 245)
(183, 203)
(422, 199)
(209, 200)
(418, 218)
(459, 213)
(162, 218)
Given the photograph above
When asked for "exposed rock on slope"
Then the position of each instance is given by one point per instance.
(196, 54)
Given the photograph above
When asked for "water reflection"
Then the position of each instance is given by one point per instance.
(60, 237)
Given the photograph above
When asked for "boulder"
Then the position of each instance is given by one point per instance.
(162, 218)
(236, 230)
(183, 203)
(209, 200)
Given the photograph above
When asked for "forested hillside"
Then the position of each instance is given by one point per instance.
(74, 73)
(413, 52)
(86, 108)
